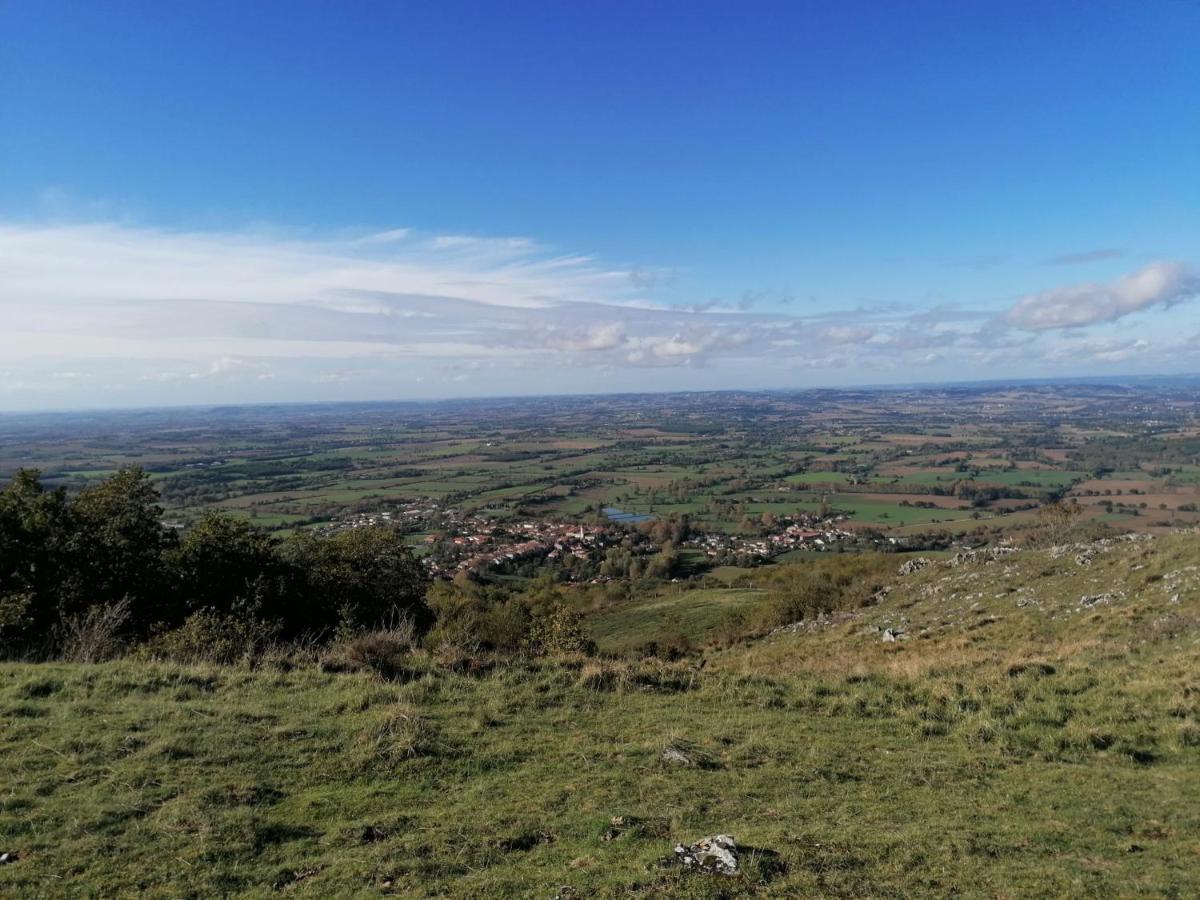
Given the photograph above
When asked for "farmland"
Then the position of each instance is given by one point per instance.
(951, 460)
(920, 643)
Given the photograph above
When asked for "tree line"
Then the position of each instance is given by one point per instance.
(66, 557)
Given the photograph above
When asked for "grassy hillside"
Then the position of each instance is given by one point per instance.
(1115, 603)
(665, 616)
(1034, 731)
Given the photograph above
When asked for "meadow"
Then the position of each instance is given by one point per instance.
(1034, 732)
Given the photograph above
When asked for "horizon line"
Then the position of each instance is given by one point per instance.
(879, 387)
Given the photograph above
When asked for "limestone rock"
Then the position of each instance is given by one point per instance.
(673, 756)
(915, 565)
(715, 855)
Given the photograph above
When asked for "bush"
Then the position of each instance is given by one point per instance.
(505, 626)
(385, 652)
(560, 631)
(800, 592)
(96, 634)
(208, 636)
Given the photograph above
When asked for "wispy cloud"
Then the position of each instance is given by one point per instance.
(980, 262)
(107, 308)
(1085, 256)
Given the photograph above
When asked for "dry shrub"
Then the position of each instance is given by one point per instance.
(208, 636)
(385, 652)
(454, 657)
(96, 634)
(598, 676)
(284, 656)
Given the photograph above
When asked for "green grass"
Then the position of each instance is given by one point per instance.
(732, 574)
(177, 782)
(1031, 477)
(692, 614)
(1017, 744)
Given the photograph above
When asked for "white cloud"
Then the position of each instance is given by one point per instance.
(189, 316)
(232, 367)
(1091, 350)
(845, 334)
(606, 336)
(108, 262)
(1160, 284)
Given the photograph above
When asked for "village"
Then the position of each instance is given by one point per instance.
(450, 540)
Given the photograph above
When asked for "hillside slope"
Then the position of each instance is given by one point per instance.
(1014, 740)
(1117, 600)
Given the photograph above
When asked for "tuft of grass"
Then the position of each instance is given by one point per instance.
(399, 733)
(637, 675)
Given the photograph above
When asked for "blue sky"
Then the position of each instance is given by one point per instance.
(205, 202)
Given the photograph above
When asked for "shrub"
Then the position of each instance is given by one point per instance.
(207, 636)
(505, 626)
(560, 631)
(800, 592)
(453, 657)
(384, 652)
(96, 634)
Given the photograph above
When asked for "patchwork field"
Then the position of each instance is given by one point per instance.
(974, 456)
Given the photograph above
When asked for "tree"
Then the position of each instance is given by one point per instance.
(664, 563)
(360, 579)
(34, 529)
(116, 549)
(226, 565)
(1058, 517)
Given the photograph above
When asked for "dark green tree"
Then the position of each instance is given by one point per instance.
(228, 566)
(359, 579)
(116, 549)
(34, 532)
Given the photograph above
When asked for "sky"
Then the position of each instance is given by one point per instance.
(212, 202)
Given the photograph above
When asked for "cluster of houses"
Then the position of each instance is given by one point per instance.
(486, 544)
(791, 537)
(473, 543)
(403, 514)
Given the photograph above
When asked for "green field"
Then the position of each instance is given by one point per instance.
(563, 458)
(659, 618)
